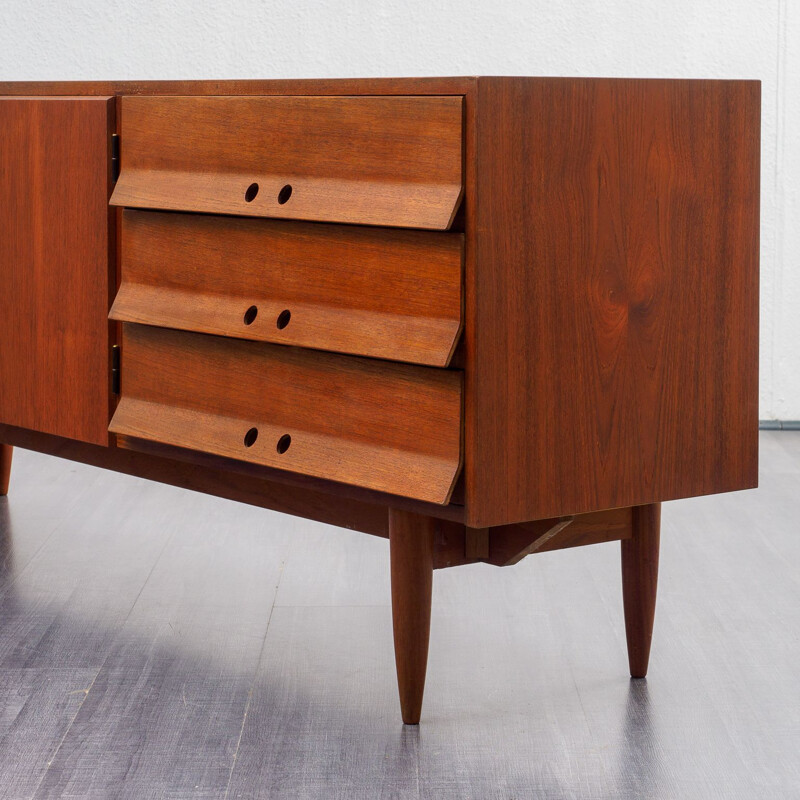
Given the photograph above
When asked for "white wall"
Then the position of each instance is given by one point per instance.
(125, 39)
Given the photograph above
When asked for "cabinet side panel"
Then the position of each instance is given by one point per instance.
(614, 330)
(54, 265)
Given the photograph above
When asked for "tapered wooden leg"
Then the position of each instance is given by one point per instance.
(639, 582)
(5, 467)
(411, 553)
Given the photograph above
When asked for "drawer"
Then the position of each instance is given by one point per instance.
(389, 427)
(394, 161)
(385, 293)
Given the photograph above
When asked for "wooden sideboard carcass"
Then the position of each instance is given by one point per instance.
(481, 317)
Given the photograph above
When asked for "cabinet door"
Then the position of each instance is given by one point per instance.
(55, 181)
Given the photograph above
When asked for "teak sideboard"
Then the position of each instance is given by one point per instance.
(482, 317)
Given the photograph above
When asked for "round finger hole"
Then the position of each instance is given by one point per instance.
(251, 192)
(283, 443)
(250, 315)
(250, 437)
(283, 319)
(284, 194)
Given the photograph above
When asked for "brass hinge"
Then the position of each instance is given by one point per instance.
(114, 156)
(115, 368)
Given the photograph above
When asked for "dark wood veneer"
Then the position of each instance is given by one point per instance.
(411, 550)
(366, 291)
(612, 295)
(639, 581)
(366, 160)
(55, 181)
(389, 427)
(6, 453)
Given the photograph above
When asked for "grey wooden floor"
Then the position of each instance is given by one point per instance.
(160, 644)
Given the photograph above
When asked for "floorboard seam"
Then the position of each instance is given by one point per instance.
(54, 755)
(52, 759)
(253, 682)
(56, 526)
(124, 622)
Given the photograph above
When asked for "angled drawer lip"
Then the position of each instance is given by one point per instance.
(370, 160)
(388, 294)
(391, 428)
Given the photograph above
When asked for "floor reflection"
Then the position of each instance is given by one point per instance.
(637, 761)
(6, 544)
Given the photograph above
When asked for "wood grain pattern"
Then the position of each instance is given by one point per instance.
(476, 544)
(639, 583)
(54, 265)
(282, 494)
(389, 427)
(37, 707)
(6, 452)
(612, 259)
(509, 544)
(411, 546)
(180, 657)
(304, 86)
(545, 532)
(506, 545)
(596, 527)
(337, 504)
(339, 493)
(382, 293)
(673, 148)
(393, 161)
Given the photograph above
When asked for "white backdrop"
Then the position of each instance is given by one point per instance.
(101, 39)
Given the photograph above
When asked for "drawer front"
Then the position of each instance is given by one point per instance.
(389, 427)
(374, 292)
(394, 161)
